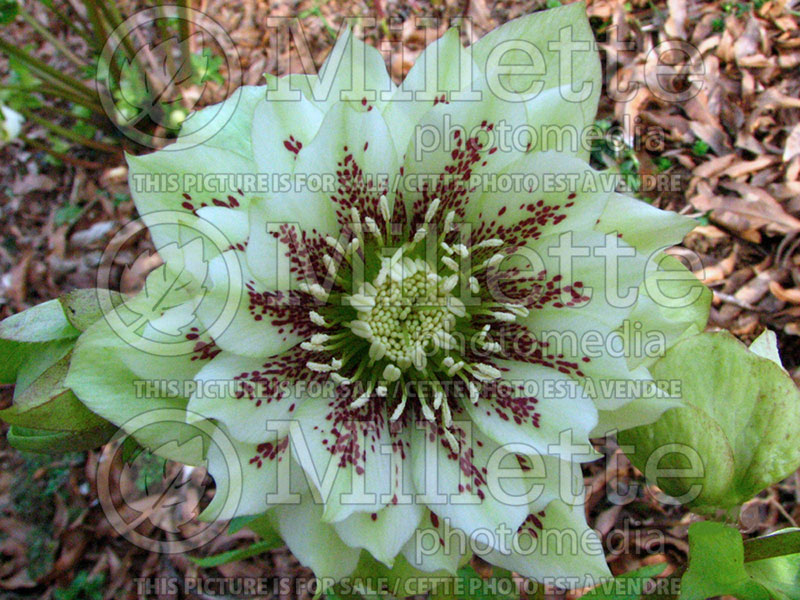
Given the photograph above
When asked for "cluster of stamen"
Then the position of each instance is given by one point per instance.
(407, 315)
(401, 325)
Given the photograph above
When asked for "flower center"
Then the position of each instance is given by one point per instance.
(404, 313)
(406, 335)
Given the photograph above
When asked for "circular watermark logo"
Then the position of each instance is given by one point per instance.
(176, 294)
(153, 502)
(156, 67)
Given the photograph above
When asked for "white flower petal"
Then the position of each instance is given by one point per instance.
(347, 454)
(353, 72)
(556, 546)
(537, 206)
(232, 223)
(428, 551)
(338, 169)
(183, 180)
(643, 226)
(533, 406)
(457, 485)
(314, 542)
(225, 126)
(253, 398)
(281, 130)
(251, 478)
(10, 124)
(456, 143)
(444, 67)
(383, 533)
(554, 124)
(262, 323)
(546, 40)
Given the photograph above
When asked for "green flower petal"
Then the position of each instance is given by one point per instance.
(150, 348)
(579, 334)
(40, 335)
(44, 402)
(639, 411)
(672, 304)
(45, 322)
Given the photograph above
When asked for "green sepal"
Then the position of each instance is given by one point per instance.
(32, 334)
(57, 442)
(46, 403)
(82, 307)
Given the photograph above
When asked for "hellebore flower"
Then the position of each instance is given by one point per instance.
(399, 342)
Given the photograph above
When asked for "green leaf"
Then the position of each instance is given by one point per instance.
(781, 574)
(402, 579)
(239, 523)
(478, 588)
(628, 586)
(716, 565)
(261, 525)
(700, 148)
(82, 307)
(131, 449)
(233, 555)
(9, 9)
(778, 543)
(736, 434)
(155, 97)
(69, 214)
